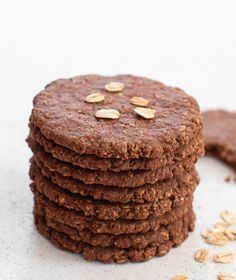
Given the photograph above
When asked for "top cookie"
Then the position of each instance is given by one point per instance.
(64, 114)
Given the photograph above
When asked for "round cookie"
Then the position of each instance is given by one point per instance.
(124, 241)
(62, 115)
(113, 164)
(111, 254)
(220, 135)
(122, 179)
(102, 209)
(183, 185)
(77, 220)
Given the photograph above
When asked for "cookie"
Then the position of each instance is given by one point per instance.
(63, 116)
(102, 209)
(220, 135)
(77, 220)
(112, 254)
(122, 179)
(113, 164)
(181, 186)
(124, 241)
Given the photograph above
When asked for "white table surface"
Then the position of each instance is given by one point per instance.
(190, 44)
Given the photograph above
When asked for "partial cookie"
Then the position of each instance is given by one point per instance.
(61, 113)
(180, 186)
(113, 164)
(111, 254)
(77, 220)
(220, 135)
(124, 241)
(122, 179)
(105, 210)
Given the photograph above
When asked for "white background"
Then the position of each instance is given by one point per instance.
(190, 44)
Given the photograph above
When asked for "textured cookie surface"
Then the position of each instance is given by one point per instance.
(139, 240)
(134, 178)
(81, 222)
(93, 162)
(62, 116)
(179, 186)
(106, 210)
(111, 254)
(220, 134)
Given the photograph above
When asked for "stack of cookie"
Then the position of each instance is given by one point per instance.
(113, 166)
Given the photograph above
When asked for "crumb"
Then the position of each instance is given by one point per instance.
(228, 178)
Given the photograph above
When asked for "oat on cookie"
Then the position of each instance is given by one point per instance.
(63, 116)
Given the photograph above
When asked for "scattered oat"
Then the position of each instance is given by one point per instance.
(202, 255)
(145, 112)
(114, 87)
(224, 257)
(139, 101)
(225, 276)
(180, 277)
(220, 227)
(231, 234)
(216, 238)
(95, 97)
(107, 114)
(228, 217)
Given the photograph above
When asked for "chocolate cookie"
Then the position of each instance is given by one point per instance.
(181, 186)
(77, 220)
(124, 241)
(122, 179)
(220, 135)
(113, 164)
(112, 254)
(63, 116)
(105, 210)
